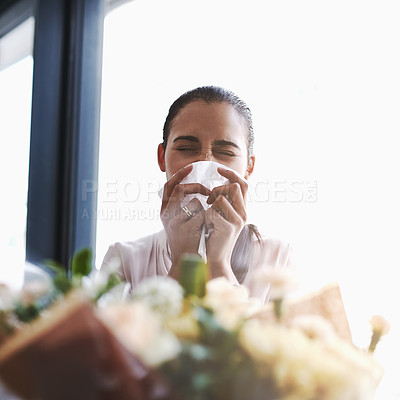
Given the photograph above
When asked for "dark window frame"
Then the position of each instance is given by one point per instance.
(65, 124)
(13, 13)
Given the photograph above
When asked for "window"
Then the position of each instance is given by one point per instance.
(64, 122)
(323, 84)
(16, 69)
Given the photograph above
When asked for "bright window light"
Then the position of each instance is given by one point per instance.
(15, 119)
(322, 80)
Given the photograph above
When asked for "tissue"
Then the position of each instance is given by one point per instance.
(206, 173)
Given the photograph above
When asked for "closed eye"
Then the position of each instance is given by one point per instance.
(226, 153)
(225, 148)
(187, 149)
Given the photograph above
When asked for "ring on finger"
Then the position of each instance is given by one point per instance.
(187, 212)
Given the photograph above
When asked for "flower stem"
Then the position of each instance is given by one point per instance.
(376, 335)
(278, 308)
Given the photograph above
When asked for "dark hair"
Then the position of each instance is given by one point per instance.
(211, 94)
(242, 253)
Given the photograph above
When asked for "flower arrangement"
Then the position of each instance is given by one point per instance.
(178, 340)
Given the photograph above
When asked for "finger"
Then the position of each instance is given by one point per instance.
(233, 194)
(214, 218)
(228, 190)
(226, 211)
(191, 209)
(194, 224)
(176, 179)
(219, 190)
(181, 191)
(198, 218)
(235, 178)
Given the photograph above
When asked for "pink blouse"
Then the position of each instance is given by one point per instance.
(149, 256)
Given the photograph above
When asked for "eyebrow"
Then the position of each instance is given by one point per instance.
(225, 143)
(215, 143)
(187, 137)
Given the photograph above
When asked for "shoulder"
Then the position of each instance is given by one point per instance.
(138, 258)
(273, 252)
(268, 252)
(141, 245)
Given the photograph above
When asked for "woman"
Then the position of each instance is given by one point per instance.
(205, 124)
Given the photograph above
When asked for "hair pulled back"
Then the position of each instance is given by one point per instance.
(211, 94)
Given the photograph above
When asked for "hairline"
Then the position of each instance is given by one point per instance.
(213, 101)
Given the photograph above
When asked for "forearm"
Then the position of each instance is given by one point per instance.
(222, 269)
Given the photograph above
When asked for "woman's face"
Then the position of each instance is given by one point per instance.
(206, 132)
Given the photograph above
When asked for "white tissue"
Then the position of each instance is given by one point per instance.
(205, 173)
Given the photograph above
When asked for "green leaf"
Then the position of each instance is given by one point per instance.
(5, 327)
(113, 280)
(202, 381)
(62, 283)
(54, 266)
(212, 331)
(27, 313)
(81, 264)
(193, 273)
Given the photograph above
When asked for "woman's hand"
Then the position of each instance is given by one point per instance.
(183, 231)
(225, 220)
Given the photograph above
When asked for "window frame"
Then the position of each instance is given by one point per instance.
(13, 13)
(65, 123)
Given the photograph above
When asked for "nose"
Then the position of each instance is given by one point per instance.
(206, 156)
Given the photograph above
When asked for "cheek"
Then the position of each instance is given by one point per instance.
(238, 165)
(173, 163)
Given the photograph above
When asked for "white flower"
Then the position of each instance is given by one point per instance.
(7, 297)
(281, 281)
(184, 326)
(116, 294)
(379, 324)
(33, 290)
(91, 285)
(161, 294)
(94, 283)
(141, 331)
(113, 267)
(301, 368)
(380, 327)
(313, 326)
(231, 303)
(220, 289)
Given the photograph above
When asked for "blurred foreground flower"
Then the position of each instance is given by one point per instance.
(313, 326)
(167, 341)
(380, 326)
(231, 303)
(162, 294)
(282, 282)
(141, 331)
